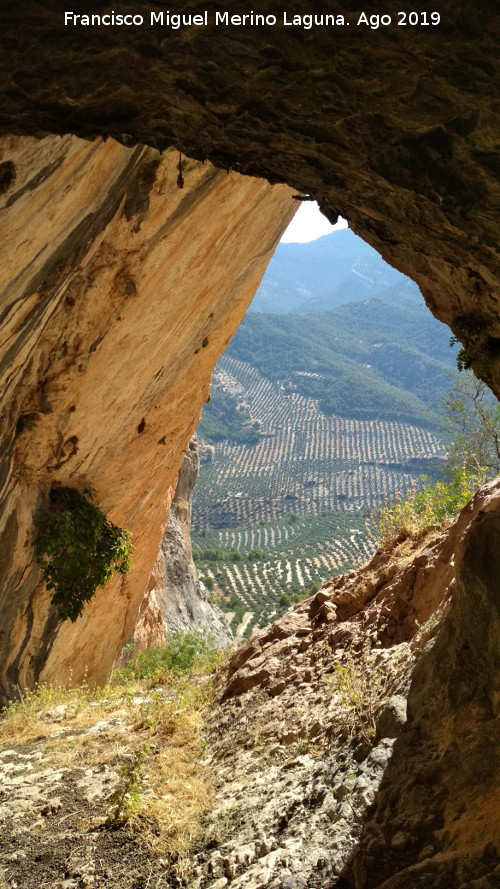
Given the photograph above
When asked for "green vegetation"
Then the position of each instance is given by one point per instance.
(216, 555)
(304, 461)
(78, 549)
(418, 510)
(472, 426)
(183, 651)
(224, 418)
(125, 801)
(307, 591)
(280, 564)
(347, 404)
(478, 350)
(472, 418)
(273, 520)
(385, 358)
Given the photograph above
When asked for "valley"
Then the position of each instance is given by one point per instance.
(315, 419)
(275, 519)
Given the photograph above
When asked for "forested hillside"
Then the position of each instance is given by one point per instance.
(315, 417)
(316, 476)
(385, 358)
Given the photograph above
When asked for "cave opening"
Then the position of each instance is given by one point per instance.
(328, 403)
(396, 127)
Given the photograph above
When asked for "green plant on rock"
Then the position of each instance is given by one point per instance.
(183, 651)
(472, 426)
(412, 515)
(125, 800)
(362, 686)
(78, 549)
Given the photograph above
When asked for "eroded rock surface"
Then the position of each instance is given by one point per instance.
(353, 743)
(307, 795)
(175, 600)
(118, 290)
(395, 127)
(70, 776)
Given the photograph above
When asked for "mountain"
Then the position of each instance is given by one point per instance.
(379, 358)
(322, 274)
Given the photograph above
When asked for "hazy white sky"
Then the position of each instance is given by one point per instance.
(309, 224)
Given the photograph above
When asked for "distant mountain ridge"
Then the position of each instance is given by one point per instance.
(380, 358)
(375, 353)
(323, 274)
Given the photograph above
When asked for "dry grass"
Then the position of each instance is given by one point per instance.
(35, 715)
(84, 751)
(179, 782)
(164, 787)
(168, 788)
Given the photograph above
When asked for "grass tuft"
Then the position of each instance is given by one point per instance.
(154, 707)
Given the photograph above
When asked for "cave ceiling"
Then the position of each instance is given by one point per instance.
(395, 127)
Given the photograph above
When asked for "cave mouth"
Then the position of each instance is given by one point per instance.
(326, 404)
(393, 205)
(396, 129)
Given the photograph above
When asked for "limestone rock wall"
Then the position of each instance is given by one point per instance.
(118, 292)
(175, 600)
(395, 127)
(390, 780)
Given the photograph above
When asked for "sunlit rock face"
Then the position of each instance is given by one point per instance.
(119, 290)
(396, 126)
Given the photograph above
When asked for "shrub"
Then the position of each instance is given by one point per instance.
(472, 426)
(78, 549)
(183, 651)
(410, 516)
(255, 555)
(307, 591)
(362, 686)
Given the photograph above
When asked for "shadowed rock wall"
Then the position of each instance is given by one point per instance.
(118, 291)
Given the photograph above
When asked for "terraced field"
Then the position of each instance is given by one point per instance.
(304, 460)
(299, 498)
(262, 570)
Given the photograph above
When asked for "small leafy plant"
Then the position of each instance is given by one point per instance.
(78, 549)
(183, 652)
(410, 516)
(125, 801)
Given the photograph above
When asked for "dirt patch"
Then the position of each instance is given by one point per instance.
(102, 793)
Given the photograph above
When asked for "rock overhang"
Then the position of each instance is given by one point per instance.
(393, 125)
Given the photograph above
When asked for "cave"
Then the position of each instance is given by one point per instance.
(116, 144)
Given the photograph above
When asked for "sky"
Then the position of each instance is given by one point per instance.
(308, 224)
